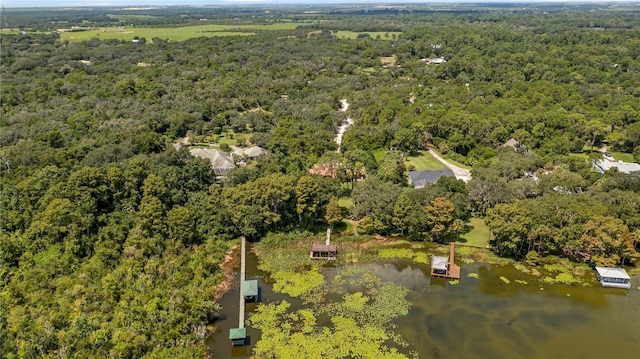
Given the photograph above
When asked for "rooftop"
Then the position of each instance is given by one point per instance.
(237, 333)
(613, 272)
(421, 178)
(254, 151)
(440, 263)
(323, 247)
(511, 143)
(221, 162)
(250, 288)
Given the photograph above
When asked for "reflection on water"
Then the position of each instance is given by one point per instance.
(483, 317)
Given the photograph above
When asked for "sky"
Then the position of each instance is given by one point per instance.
(93, 3)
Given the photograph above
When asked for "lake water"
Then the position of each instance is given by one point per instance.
(484, 317)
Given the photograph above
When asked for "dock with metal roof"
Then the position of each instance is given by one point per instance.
(446, 268)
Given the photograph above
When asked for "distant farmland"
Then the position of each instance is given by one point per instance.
(173, 33)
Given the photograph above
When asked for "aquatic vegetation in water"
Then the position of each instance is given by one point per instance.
(535, 272)
(454, 282)
(522, 268)
(562, 278)
(386, 253)
(386, 302)
(418, 257)
(421, 258)
(359, 326)
(472, 275)
(296, 284)
(519, 281)
(504, 279)
(297, 335)
(464, 251)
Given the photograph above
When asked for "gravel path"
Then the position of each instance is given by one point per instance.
(460, 173)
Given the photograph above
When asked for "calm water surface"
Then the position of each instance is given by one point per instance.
(483, 317)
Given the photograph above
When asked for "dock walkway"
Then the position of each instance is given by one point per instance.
(243, 270)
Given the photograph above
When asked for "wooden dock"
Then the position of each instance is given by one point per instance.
(243, 271)
(238, 336)
(325, 251)
(446, 270)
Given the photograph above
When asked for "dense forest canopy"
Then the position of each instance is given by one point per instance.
(111, 239)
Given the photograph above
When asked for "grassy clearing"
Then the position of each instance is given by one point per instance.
(424, 161)
(622, 156)
(173, 33)
(345, 202)
(479, 234)
(233, 139)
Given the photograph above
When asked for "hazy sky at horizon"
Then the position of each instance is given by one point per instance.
(96, 3)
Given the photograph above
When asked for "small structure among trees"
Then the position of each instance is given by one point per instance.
(445, 267)
(326, 251)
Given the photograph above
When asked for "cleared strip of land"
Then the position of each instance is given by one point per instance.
(173, 33)
(479, 234)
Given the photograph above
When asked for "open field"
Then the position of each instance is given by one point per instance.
(424, 161)
(478, 236)
(173, 33)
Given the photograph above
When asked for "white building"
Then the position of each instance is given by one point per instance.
(613, 277)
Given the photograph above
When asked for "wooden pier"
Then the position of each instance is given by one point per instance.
(238, 335)
(243, 273)
(446, 268)
(326, 251)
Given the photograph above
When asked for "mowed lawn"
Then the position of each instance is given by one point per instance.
(479, 234)
(622, 156)
(424, 161)
(172, 33)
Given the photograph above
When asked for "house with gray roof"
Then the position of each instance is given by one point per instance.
(221, 162)
(254, 152)
(421, 178)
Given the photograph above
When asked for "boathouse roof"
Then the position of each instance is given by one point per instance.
(316, 247)
(237, 333)
(250, 288)
(440, 263)
(612, 272)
